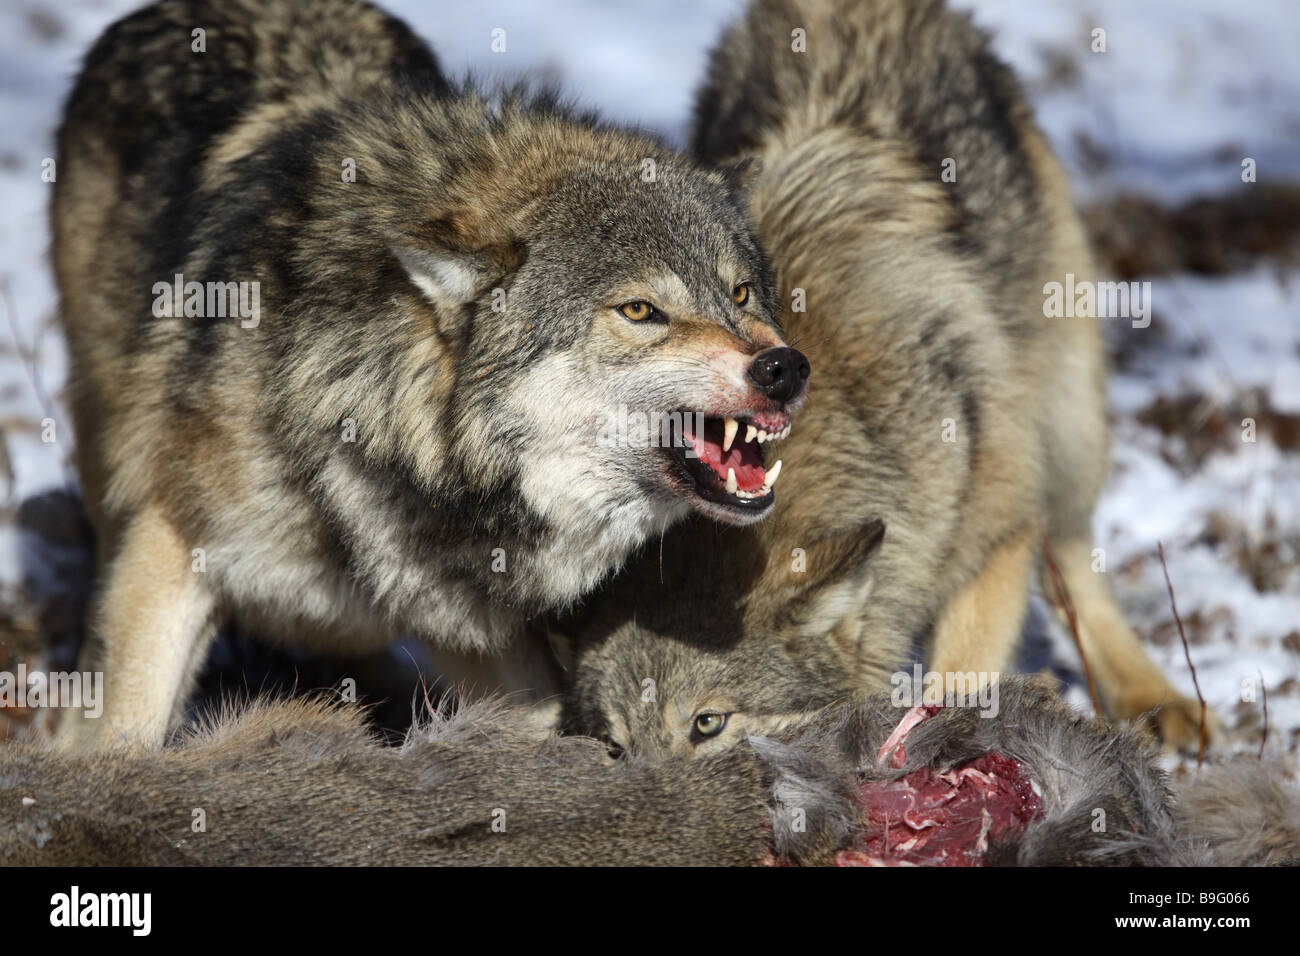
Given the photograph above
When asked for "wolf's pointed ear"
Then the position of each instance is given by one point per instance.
(453, 268)
(449, 280)
(858, 547)
(841, 566)
(741, 175)
(563, 649)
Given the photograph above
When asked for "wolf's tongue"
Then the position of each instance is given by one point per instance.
(744, 458)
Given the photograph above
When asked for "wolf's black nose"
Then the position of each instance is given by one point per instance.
(780, 373)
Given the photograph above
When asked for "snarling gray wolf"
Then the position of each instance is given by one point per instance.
(352, 346)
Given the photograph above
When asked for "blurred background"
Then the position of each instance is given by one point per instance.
(1155, 131)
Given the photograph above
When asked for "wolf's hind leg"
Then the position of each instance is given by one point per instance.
(1128, 681)
(153, 624)
(978, 629)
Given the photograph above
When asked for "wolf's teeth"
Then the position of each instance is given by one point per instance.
(731, 481)
(762, 437)
(773, 474)
(785, 432)
(729, 433)
(750, 432)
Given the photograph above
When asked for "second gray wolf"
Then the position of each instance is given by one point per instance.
(953, 428)
(343, 334)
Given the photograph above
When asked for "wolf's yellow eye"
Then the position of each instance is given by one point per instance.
(740, 294)
(637, 311)
(710, 725)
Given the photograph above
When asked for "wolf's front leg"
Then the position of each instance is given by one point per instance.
(155, 620)
(980, 627)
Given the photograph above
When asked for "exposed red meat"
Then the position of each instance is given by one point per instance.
(938, 819)
(947, 819)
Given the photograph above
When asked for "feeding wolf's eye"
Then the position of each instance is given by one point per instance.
(638, 311)
(710, 725)
(740, 294)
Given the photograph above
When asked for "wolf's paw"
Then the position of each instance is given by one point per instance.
(1176, 722)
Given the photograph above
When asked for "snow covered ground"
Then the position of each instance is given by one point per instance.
(1185, 90)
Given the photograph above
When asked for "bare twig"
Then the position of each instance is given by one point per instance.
(25, 355)
(1200, 753)
(1066, 604)
(1264, 739)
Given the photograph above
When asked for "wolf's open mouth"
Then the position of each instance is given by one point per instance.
(725, 459)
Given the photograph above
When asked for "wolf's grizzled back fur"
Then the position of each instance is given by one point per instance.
(911, 73)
